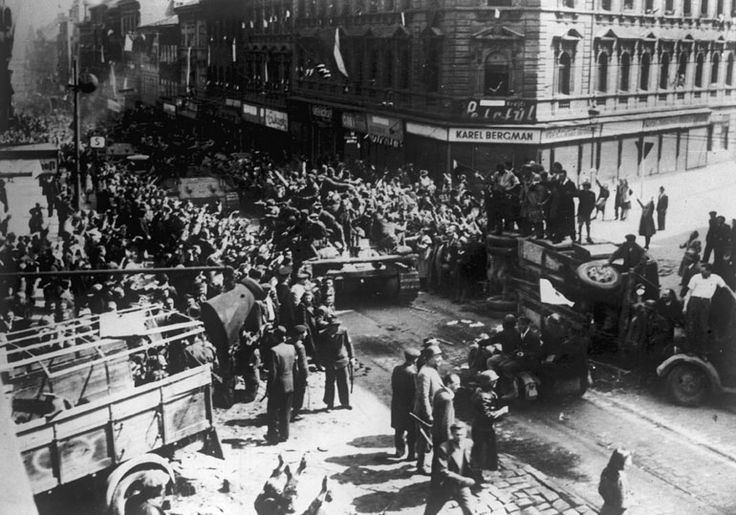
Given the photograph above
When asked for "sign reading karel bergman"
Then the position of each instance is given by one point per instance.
(494, 135)
(500, 110)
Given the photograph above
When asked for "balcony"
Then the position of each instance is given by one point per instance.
(272, 95)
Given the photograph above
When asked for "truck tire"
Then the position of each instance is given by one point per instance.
(500, 240)
(688, 385)
(127, 487)
(599, 275)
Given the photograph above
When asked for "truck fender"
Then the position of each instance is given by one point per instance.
(715, 380)
(148, 460)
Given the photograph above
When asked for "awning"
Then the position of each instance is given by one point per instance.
(570, 35)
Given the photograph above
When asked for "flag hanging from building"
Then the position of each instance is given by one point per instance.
(265, 69)
(209, 55)
(128, 47)
(337, 54)
(102, 53)
(113, 80)
(235, 56)
(189, 65)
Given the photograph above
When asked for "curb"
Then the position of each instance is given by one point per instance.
(599, 400)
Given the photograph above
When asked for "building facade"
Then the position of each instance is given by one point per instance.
(626, 87)
(7, 36)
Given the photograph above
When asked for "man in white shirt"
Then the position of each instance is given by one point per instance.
(696, 306)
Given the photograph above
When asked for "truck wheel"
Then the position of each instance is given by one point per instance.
(128, 486)
(599, 274)
(688, 385)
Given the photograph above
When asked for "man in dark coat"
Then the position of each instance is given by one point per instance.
(302, 371)
(586, 203)
(566, 208)
(630, 251)
(402, 403)
(336, 351)
(663, 202)
(710, 236)
(280, 388)
(646, 222)
(454, 475)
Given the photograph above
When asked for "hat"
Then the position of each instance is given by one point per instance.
(281, 330)
(300, 329)
(487, 377)
(432, 350)
(650, 304)
(425, 241)
(630, 237)
(285, 270)
(411, 353)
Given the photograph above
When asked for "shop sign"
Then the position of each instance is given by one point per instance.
(114, 106)
(277, 120)
(684, 120)
(554, 134)
(494, 135)
(170, 109)
(251, 113)
(500, 110)
(428, 131)
(231, 102)
(97, 142)
(320, 112)
(354, 121)
(191, 106)
(385, 130)
(351, 138)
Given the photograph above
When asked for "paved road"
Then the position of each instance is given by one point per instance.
(684, 458)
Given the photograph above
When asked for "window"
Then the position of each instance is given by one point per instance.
(703, 7)
(669, 6)
(432, 65)
(605, 5)
(699, 71)
(687, 8)
(496, 75)
(389, 5)
(729, 70)
(373, 64)
(564, 65)
(628, 4)
(372, 6)
(648, 6)
(664, 70)
(570, 4)
(602, 72)
(715, 64)
(681, 70)
(388, 69)
(404, 67)
(644, 75)
(625, 72)
(719, 7)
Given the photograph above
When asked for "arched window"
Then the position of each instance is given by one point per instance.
(603, 72)
(625, 71)
(496, 75)
(682, 69)
(699, 71)
(715, 65)
(729, 70)
(664, 70)
(644, 75)
(564, 65)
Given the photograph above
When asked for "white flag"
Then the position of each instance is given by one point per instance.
(128, 43)
(113, 80)
(189, 65)
(338, 55)
(234, 50)
(549, 295)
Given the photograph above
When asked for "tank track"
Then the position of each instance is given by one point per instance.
(408, 287)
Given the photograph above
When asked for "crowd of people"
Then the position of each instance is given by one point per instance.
(25, 129)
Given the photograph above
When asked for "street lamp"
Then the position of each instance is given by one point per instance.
(85, 83)
(593, 113)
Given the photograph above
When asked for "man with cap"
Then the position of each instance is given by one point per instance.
(696, 305)
(302, 371)
(428, 383)
(630, 251)
(443, 413)
(485, 410)
(336, 354)
(710, 236)
(280, 387)
(403, 380)
(454, 474)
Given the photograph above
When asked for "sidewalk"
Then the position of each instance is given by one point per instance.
(352, 449)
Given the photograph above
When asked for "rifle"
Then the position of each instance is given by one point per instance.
(422, 430)
(351, 372)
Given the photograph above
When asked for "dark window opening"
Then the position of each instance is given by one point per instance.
(564, 68)
(625, 72)
(664, 70)
(644, 76)
(699, 71)
(603, 72)
(687, 8)
(729, 70)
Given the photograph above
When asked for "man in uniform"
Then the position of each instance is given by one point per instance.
(282, 366)
(454, 475)
(302, 371)
(402, 402)
(337, 357)
(428, 383)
